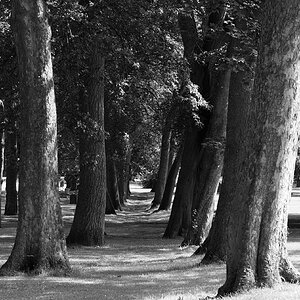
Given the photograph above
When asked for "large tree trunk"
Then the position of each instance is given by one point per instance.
(238, 104)
(171, 181)
(40, 241)
(211, 163)
(257, 234)
(241, 86)
(11, 160)
(89, 219)
(163, 166)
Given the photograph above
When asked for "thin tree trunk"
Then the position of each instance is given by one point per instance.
(89, 219)
(257, 227)
(171, 181)
(112, 196)
(172, 152)
(1, 151)
(163, 167)
(40, 242)
(123, 170)
(127, 174)
(11, 159)
(115, 190)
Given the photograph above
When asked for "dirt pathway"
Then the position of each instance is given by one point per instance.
(135, 263)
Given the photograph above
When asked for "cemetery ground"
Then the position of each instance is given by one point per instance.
(135, 263)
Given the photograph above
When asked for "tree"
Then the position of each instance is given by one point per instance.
(1, 147)
(89, 219)
(166, 200)
(8, 78)
(242, 56)
(40, 242)
(11, 163)
(163, 165)
(11, 156)
(201, 165)
(257, 228)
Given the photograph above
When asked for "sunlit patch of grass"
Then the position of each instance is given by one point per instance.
(283, 291)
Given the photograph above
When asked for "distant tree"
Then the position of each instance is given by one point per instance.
(257, 225)
(8, 87)
(1, 147)
(40, 242)
(163, 164)
(171, 182)
(11, 165)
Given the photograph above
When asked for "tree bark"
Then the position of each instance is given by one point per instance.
(257, 226)
(200, 75)
(89, 219)
(181, 209)
(172, 153)
(241, 86)
(163, 167)
(1, 151)
(40, 242)
(238, 105)
(11, 160)
(171, 181)
(211, 162)
(112, 196)
(123, 170)
(185, 185)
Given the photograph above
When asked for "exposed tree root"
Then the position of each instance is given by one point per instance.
(58, 268)
(288, 272)
(202, 248)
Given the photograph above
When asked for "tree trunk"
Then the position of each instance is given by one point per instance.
(211, 163)
(40, 241)
(11, 159)
(1, 150)
(200, 75)
(112, 196)
(239, 101)
(241, 86)
(183, 197)
(171, 181)
(89, 219)
(127, 174)
(71, 180)
(163, 167)
(123, 170)
(172, 153)
(257, 226)
(181, 210)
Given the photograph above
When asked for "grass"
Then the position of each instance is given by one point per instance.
(135, 263)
